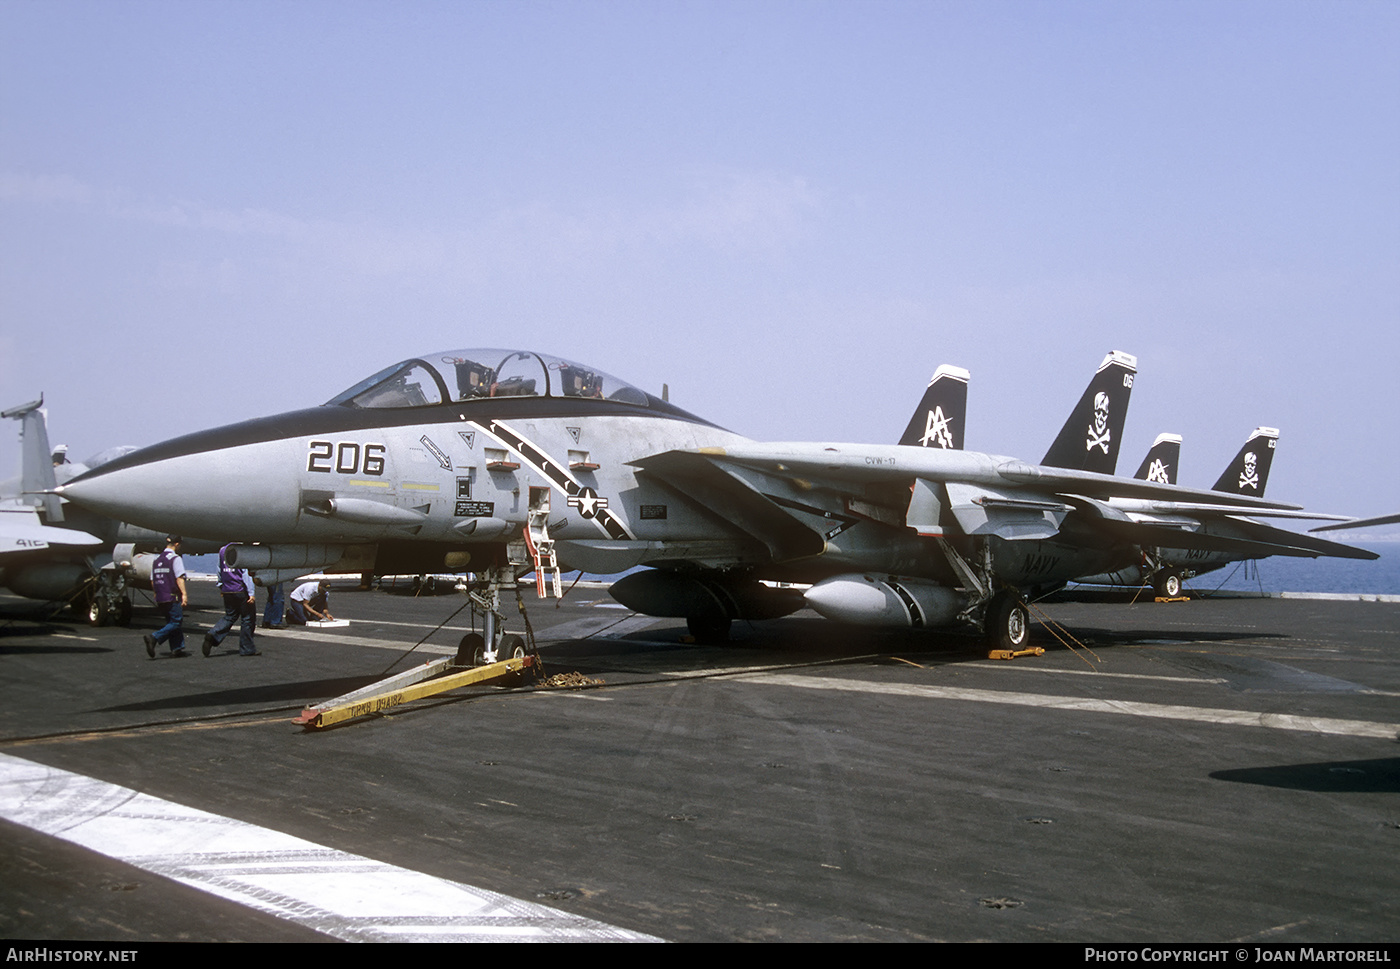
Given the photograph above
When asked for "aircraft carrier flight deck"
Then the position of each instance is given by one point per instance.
(1217, 770)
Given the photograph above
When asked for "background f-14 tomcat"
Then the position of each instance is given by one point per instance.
(457, 461)
(1175, 540)
(64, 555)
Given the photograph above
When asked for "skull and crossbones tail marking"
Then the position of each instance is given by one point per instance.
(1099, 434)
(1249, 478)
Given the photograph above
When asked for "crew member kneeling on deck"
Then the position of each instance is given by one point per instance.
(310, 600)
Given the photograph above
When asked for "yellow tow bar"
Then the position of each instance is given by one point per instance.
(426, 680)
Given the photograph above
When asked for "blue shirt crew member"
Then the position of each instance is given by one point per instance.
(309, 599)
(276, 606)
(168, 581)
(240, 602)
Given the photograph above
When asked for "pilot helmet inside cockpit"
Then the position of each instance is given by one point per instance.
(473, 379)
(578, 382)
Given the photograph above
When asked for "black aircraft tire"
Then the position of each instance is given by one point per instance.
(98, 612)
(123, 617)
(708, 629)
(471, 651)
(1168, 585)
(1008, 622)
(512, 647)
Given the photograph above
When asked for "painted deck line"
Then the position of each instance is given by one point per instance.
(1341, 596)
(345, 896)
(1161, 711)
(1001, 665)
(316, 638)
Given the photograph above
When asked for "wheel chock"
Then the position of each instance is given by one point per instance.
(1014, 653)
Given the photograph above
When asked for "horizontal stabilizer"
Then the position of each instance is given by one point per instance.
(22, 531)
(1238, 536)
(1359, 523)
(1262, 532)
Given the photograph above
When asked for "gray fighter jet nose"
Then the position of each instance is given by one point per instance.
(204, 493)
(121, 494)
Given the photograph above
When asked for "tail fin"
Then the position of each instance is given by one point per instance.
(941, 415)
(36, 474)
(1162, 458)
(1090, 438)
(1249, 472)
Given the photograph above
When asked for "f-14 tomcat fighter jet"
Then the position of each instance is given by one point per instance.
(470, 459)
(1181, 541)
(47, 554)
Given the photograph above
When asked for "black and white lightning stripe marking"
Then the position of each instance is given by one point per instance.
(586, 500)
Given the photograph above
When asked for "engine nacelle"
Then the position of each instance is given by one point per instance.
(660, 593)
(886, 600)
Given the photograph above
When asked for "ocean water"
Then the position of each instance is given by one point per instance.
(1280, 574)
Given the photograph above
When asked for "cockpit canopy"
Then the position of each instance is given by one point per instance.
(458, 375)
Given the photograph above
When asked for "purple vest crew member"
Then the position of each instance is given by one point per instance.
(168, 581)
(168, 569)
(240, 602)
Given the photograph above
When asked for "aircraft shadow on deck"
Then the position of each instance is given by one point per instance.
(289, 693)
(1092, 636)
(1379, 776)
(797, 639)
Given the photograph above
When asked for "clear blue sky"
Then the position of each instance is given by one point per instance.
(790, 212)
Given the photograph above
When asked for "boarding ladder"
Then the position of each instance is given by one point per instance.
(541, 546)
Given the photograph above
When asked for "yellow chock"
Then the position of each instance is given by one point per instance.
(1014, 653)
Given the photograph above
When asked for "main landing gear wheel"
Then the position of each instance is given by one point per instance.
(1168, 585)
(472, 649)
(98, 612)
(708, 629)
(1008, 622)
(123, 617)
(512, 647)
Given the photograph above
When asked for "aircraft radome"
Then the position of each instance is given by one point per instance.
(496, 461)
